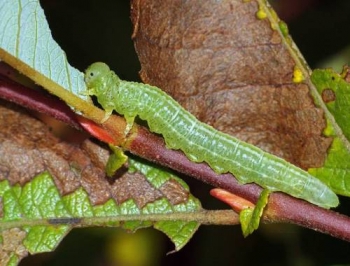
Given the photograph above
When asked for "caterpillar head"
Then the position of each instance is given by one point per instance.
(99, 78)
(102, 83)
(94, 73)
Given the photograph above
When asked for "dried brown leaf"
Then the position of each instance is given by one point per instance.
(231, 70)
(12, 243)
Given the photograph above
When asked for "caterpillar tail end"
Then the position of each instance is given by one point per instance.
(333, 201)
(328, 199)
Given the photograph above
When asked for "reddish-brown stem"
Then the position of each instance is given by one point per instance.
(281, 207)
(37, 101)
(291, 210)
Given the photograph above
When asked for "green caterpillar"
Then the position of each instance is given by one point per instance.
(200, 142)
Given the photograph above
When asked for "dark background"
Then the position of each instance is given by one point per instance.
(89, 31)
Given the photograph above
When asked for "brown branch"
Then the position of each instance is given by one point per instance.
(281, 207)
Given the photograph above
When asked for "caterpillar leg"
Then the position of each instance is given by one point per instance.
(115, 160)
(108, 113)
(129, 123)
(250, 217)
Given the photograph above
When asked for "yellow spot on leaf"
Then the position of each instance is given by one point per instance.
(328, 131)
(261, 14)
(298, 76)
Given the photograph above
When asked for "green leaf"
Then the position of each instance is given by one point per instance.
(24, 208)
(27, 45)
(44, 217)
(26, 36)
(156, 177)
(336, 170)
(178, 231)
(335, 92)
(250, 218)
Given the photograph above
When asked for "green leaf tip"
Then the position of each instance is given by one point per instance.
(115, 160)
(250, 218)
